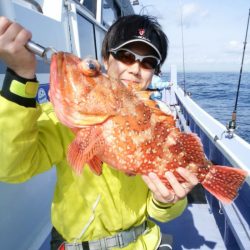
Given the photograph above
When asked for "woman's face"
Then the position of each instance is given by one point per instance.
(133, 73)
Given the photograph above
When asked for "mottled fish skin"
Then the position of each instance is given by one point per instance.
(121, 126)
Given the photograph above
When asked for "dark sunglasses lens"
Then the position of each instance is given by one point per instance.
(125, 57)
(149, 63)
(128, 58)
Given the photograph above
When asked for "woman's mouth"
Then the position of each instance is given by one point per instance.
(128, 82)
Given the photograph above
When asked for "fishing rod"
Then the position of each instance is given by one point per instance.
(183, 52)
(183, 55)
(231, 127)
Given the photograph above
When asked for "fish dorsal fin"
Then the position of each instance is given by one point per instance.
(144, 95)
(87, 144)
(191, 145)
(160, 116)
(153, 105)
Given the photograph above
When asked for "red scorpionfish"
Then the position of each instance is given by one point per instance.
(121, 126)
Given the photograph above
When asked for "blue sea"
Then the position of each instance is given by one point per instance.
(216, 94)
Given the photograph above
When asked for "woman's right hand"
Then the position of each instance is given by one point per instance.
(13, 53)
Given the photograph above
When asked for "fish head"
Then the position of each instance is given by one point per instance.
(69, 73)
(79, 91)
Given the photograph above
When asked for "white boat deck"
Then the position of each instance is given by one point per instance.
(196, 228)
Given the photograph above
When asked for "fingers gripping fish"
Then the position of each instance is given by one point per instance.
(121, 126)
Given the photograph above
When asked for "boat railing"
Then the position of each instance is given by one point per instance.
(233, 220)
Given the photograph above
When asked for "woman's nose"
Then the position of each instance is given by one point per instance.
(135, 67)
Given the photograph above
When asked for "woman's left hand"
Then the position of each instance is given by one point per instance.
(180, 190)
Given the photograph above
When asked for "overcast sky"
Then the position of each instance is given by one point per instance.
(214, 32)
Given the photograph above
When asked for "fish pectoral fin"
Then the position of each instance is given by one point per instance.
(87, 144)
(95, 165)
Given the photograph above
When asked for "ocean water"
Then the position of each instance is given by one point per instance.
(216, 94)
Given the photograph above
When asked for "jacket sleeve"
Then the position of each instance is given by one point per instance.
(31, 140)
(167, 213)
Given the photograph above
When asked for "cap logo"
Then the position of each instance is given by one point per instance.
(141, 32)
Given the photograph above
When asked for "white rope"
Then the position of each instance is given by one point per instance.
(90, 219)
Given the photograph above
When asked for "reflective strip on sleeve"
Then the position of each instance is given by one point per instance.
(28, 90)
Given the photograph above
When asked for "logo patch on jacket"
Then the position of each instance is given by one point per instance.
(42, 93)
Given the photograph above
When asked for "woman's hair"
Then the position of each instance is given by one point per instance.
(136, 28)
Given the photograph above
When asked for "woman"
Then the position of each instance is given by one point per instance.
(88, 211)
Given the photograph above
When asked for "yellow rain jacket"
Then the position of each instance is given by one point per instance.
(85, 207)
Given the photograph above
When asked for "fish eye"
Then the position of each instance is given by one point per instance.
(90, 67)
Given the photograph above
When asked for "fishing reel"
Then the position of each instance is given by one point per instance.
(231, 126)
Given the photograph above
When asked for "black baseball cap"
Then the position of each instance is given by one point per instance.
(138, 34)
(136, 28)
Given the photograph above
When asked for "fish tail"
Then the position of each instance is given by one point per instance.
(224, 182)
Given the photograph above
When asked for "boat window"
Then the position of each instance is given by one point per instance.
(90, 5)
(99, 34)
(86, 37)
(110, 12)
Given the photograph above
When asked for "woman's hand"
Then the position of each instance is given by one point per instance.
(180, 190)
(13, 38)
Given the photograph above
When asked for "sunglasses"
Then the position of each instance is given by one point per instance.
(128, 57)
